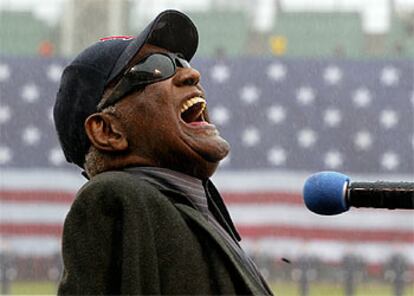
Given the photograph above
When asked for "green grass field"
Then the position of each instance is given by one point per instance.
(279, 288)
(33, 288)
(331, 289)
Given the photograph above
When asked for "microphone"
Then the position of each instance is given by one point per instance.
(331, 193)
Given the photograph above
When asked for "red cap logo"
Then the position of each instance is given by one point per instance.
(122, 37)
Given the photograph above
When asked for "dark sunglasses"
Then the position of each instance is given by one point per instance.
(152, 68)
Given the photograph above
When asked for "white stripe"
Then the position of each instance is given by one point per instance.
(31, 245)
(33, 212)
(289, 181)
(40, 179)
(244, 181)
(327, 250)
(297, 215)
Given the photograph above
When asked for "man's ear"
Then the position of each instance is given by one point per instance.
(105, 133)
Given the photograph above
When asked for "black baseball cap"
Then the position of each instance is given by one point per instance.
(86, 77)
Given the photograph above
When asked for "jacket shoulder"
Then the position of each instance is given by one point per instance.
(115, 182)
(117, 189)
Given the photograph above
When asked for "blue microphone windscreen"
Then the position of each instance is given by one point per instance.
(324, 193)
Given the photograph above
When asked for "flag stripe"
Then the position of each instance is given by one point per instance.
(38, 196)
(229, 197)
(282, 214)
(31, 229)
(33, 212)
(262, 198)
(247, 231)
(258, 232)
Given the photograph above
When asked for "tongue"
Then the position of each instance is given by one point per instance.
(198, 123)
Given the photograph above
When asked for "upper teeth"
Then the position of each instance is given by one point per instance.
(192, 102)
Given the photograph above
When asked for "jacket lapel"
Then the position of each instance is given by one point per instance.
(255, 287)
(185, 206)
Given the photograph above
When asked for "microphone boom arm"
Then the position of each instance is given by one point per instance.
(389, 195)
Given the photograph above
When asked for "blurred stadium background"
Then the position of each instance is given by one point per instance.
(296, 87)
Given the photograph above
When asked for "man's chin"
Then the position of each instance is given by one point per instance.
(204, 166)
(213, 151)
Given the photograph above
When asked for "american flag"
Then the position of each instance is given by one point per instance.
(284, 118)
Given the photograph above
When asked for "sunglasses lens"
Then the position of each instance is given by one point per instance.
(154, 68)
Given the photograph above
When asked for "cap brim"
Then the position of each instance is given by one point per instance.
(171, 30)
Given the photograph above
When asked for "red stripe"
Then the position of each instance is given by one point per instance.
(36, 196)
(31, 229)
(229, 197)
(253, 232)
(262, 197)
(262, 231)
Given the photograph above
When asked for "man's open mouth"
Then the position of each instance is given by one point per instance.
(192, 110)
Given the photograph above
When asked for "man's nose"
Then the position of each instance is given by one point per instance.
(186, 76)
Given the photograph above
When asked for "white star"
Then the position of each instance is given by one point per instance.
(388, 118)
(333, 159)
(220, 115)
(220, 73)
(31, 135)
(250, 137)
(5, 113)
(332, 75)
(276, 71)
(56, 156)
(305, 95)
(390, 76)
(249, 94)
(363, 140)
(5, 155)
(390, 161)
(54, 72)
(332, 117)
(4, 72)
(30, 93)
(362, 97)
(307, 138)
(276, 114)
(277, 156)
